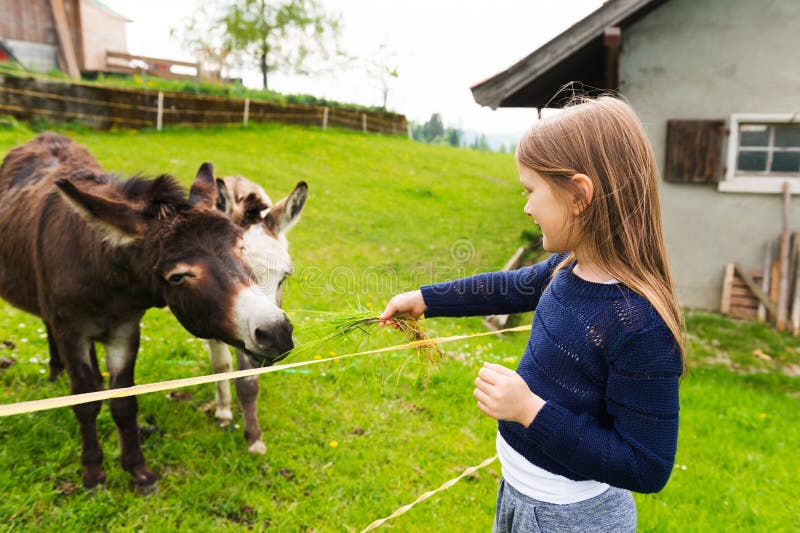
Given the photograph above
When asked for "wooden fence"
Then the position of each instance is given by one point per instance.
(112, 107)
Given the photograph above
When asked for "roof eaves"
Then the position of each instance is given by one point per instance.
(110, 11)
(492, 91)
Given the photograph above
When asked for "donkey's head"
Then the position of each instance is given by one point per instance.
(191, 256)
(264, 227)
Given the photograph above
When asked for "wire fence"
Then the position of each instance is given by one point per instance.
(27, 98)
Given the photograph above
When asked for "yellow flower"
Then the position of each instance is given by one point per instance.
(334, 444)
(318, 357)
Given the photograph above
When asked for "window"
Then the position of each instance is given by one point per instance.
(763, 153)
(769, 149)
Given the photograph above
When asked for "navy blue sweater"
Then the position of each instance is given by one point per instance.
(603, 360)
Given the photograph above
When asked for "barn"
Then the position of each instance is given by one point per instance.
(716, 84)
(70, 35)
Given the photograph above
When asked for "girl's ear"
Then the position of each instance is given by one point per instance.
(585, 193)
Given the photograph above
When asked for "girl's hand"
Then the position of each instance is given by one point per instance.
(407, 303)
(504, 395)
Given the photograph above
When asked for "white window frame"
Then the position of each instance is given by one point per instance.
(743, 182)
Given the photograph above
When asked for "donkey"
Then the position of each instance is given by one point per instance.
(266, 251)
(89, 254)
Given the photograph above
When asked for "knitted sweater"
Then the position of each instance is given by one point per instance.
(603, 360)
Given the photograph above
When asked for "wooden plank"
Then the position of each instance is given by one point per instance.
(743, 313)
(783, 293)
(727, 283)
(769, 304)
(110, 54)
(762, 311)
(774, 288)
(66, 47)
(795, 314)
(744, 301)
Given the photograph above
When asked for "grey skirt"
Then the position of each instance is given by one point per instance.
(613, 510)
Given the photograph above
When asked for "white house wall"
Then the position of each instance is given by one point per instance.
(709, 59)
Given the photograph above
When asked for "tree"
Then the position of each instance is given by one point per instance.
(380, 69)
(480, 143)
(281, 34)
(453, 137)
(433, 128)
(205, 36)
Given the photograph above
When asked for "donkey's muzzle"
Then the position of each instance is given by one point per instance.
(274, 340)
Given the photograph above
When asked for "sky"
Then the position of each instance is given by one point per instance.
(439, 47)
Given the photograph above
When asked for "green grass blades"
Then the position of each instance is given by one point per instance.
(337, 328)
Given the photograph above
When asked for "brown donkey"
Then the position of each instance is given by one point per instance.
(90, 254)
(267, 253)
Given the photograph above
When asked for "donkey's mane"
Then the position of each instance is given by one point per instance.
(162, 196)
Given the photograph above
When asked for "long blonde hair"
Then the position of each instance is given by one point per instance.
(621, 226)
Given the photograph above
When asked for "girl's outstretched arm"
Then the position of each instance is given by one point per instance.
(493, 293)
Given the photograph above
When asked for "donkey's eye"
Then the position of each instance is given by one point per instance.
(178, 277)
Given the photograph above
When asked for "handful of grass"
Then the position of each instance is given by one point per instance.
(342, 327)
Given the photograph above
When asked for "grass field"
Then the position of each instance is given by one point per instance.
(350, 442)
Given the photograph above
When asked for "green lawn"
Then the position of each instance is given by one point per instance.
(350, 442)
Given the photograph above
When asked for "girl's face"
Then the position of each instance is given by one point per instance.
(548, 210)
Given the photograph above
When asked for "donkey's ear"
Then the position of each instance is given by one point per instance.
(285, 213)
(119, 222)
(224, 200)
(204, 189)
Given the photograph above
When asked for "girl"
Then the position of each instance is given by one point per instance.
(591, 412)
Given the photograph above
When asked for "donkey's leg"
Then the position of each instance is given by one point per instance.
(247, 391)
(82, 377)
(56, 364)
(220, 356)
(121, 351)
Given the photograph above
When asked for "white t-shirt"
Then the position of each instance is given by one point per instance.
(538, 483)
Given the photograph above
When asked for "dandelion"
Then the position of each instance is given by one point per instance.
(334, 444)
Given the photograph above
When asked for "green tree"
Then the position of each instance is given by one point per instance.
(480, 143)
(380, 68)
(453, 137)
(204, 35)
(433, 128)
(280, 34)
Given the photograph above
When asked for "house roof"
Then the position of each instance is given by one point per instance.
(110, 11)
(577, 54)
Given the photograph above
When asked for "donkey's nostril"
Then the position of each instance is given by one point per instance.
(264, 338)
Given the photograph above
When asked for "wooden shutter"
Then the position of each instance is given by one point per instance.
(694, 151)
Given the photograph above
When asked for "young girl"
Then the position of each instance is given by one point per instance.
(591, 412)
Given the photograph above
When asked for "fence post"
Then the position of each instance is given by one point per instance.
(325, 119)
(246, 111)
(410, 133)
(364, 122)
(160, 117)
